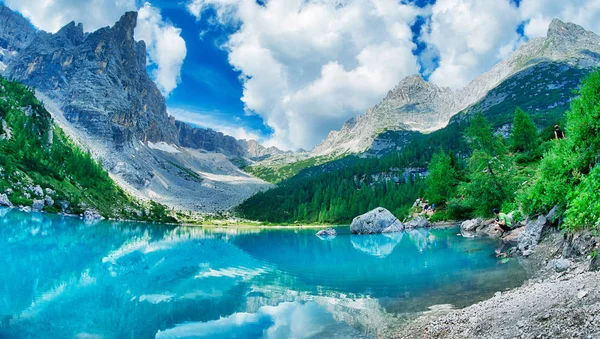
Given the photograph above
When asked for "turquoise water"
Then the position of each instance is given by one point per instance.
(62, 278)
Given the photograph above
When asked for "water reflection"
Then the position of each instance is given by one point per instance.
(65, 278)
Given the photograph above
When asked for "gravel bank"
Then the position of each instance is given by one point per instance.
(552, 305)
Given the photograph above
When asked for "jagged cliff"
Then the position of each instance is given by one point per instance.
(97, 88)
(417, 105)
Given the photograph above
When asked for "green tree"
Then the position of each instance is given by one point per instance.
(442, 178)
(523, 137)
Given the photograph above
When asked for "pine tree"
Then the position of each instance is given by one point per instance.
(524, 134)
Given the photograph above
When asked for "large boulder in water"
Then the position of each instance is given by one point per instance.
(376, 221)
(469, 227)
(418, 222)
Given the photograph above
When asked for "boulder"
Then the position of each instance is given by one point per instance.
(37, 205)
(376, 221)
(64, 205)
(48, 201)
(4, 201)
(489, 230)
(468, 227)
(91, 215)
(417, 222)
(49, 191)
(513, 235)
(328, 232)
(37, 190)
(559, 265)
(530, 237)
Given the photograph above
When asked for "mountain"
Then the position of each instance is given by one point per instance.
(98, 90)
(254, 150)
(418, 105)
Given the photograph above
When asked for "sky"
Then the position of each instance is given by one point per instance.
(287, 72)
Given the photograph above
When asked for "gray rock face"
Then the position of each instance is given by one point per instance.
(15, 33)
(64, 205)
(417, 222)
(4, 200)
(37, 205)
(579, 244)
(328, 232)
(468, 227)
(37, 190)
(376, 221)
(48, 201)
(532, 234)
(208, 140)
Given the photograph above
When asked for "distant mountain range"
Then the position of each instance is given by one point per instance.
(559, 60)
(97, 87)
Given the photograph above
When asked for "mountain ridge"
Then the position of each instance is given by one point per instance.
(417, 105)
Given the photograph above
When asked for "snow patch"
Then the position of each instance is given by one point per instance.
(163, 146)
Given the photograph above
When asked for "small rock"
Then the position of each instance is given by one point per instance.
(582, 294)
(25, 209)
(37, 205)
(64, 205)
(48, 201)
(9, 191)
(49, 191)
(468, 227)
(37, 190)
(91, 215)
(27, 195)
(329, 232)
(559, 265)
(497, 294)
(417, 222)
(4, 200)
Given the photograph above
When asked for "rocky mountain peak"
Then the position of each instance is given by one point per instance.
(72, 32)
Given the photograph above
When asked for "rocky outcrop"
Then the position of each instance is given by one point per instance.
(326, 233)
(468, 228)
(376, 221)
(4, 200)
(532, 234)
(417, 222)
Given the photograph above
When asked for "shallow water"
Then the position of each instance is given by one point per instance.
(62, 278)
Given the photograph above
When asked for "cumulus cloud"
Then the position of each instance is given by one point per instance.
(165, 45)
(308, 66)
(469, 37)
(166, 48)
(539, 14)
(211, 120)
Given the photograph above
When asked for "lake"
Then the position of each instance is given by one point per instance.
(63, 278)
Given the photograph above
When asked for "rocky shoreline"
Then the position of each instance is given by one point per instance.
(561, 300)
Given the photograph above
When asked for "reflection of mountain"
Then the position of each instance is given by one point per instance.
(377, 245)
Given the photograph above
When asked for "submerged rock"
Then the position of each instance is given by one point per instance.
(417, 222)
(4, 200)
(328, 232)
(376, 221)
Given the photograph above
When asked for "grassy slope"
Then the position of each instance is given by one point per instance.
(34, 151)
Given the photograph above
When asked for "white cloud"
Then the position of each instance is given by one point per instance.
(212, 121)
(308, 66)
(166, 48)
(470, 36)
(539, 14)
(165, 45)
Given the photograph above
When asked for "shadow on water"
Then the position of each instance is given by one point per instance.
(65, 278)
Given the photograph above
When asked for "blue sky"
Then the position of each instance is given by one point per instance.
(287, 72)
